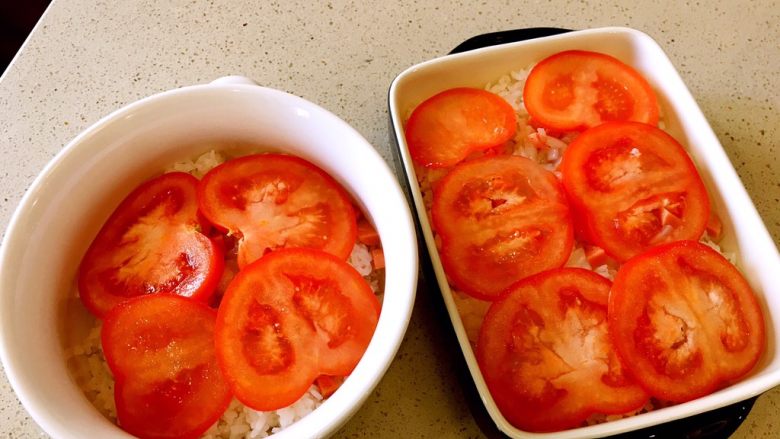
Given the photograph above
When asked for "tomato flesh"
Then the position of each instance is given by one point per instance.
(546, 355)
(367, 234)
(633, 186)
(152, 243)
(273, 201)
(578, 89)
(328, 384)
(288, 318)
(684, 320)
(501, 219)
(446, 128)
(160, 349)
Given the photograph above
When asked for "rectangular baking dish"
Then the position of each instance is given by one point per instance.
(744, 231)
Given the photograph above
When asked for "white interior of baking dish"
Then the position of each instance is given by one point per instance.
(66, 205)
(744, 232)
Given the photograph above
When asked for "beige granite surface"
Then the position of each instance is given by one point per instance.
(86, 58)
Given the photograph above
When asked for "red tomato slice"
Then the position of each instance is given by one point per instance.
(160, 349)
(633, 186)
(152, 243)
(685, 321)
(273, 201)
(446, 128)
(545, 352)
(500, 219)
(579, 89)
(289, 317)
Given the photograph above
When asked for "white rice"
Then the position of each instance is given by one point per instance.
(94, 376)
(239, 421)
(578, 259)
(529, 142)
(200, 166)
(360, 258)
(708, 241)
(362, 261)
(92, 373)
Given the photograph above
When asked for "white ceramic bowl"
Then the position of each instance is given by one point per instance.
(744, 231)
(68, 202)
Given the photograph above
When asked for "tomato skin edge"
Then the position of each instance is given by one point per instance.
(637, 399)
(585, 215)
(411, 124)
(203, 427)
(544, 121)
(215, 257)
(120, 379)
(440, 215)
(229, 323)
(618, 328)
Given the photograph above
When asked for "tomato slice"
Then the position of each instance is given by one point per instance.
(152, 243)
(273, 201)
(579, 89)
(685, 321)
(633, 186)
(546, 356)
(289, 317)
(160, 349)
(501, 219)
(446, 128)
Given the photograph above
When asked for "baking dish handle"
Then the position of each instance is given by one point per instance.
(507, 36)
(233, 80)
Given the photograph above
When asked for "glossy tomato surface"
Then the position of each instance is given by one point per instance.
(152, 243)
(500, 218)
(546, 355)
(272, 201)
(446, 128)
(579, 89)
(286, 319)
(685, 321)
(160, 349)
(632, 186)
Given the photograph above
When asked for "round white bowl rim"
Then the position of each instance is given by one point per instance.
(387, 348)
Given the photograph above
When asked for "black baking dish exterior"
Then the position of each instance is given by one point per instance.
(483, 59)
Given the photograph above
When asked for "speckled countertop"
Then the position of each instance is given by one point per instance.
(86, 58)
